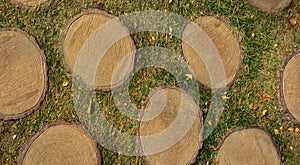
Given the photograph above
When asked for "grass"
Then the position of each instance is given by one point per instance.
(261, 64)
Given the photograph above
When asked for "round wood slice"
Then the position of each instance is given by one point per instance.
(227, 46)
(270, 6)
(167, 108)
(23, 74)
(250, 145)
(60, 143)
(290, 86)
(80, 29)
(29, 2)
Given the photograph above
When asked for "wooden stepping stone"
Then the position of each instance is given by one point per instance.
(270, 6)
(250, 145)
(23, 74)
(29, 2)
(290, 87)
(60, 143)
(78, 32)
(173, 121)
(226, 45)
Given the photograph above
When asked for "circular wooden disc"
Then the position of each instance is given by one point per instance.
(80, 29)
(227, 46)
(173, 110)
(248, 146)
(290, 86)
(60, 143)
(23, 74)
(270, 6)
(29, 2)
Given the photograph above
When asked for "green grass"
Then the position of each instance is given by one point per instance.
(261, 64)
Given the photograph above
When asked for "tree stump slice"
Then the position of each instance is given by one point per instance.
(169, 108)
(60, 143)
(227, 46)
(290, 87)
(23, 74)
(270, 6)
(250, 145)
(78, 32)
(29, 3)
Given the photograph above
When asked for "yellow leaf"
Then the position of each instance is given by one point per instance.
(65, 83)
(297, 130)
(224, 97)
(207, 163)
(253, 35)
(170, 1)
(188, 76)
(264, 112)
(153, 38)
(209, 123)
(291, 129)
(90, 107)
(275, 46)
(170, 29)
(276, 131)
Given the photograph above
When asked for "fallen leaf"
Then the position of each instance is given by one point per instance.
(65, 83)
(171, 30)
(212, 148)
(264, 98)
(209, 123)
(153, 38)
(276, 131)
(253, 35)
(291, 129)
(224, 97)
(207, 103)
(293, 21)
(297, 130)
(207, 163)
(255, 108)
(264, 112)
(14, 137)
(188, 76)
(170, 1)
(91, 106)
